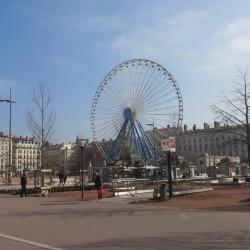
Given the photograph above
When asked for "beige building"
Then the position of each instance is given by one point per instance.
(25, 154)
(4, 153)
(218, 142)
(62, 158)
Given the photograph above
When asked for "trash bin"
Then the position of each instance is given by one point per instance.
(235, 180)
(163, 192)
(160, 193)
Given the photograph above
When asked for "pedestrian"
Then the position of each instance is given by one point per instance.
(24, 185)
(99, 185)
(9, 179)
(61, 179)
(64, 178)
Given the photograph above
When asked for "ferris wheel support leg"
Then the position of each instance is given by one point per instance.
(116, 144)
(147, 147)
(140, 144)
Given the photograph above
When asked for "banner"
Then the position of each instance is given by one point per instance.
(168, 144)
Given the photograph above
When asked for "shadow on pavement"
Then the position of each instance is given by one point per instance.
(206, 241)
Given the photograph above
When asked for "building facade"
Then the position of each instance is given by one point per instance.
(4, 153)
(25, 154)
(216, 143)
(62, 158)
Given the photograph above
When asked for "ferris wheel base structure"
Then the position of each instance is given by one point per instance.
(135, 98)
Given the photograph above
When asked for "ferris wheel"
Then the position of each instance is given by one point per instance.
(134, 98)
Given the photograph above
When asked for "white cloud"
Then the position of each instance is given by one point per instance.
(227, 47)
(157, 38)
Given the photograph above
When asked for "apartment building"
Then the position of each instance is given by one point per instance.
(217, 142)
(25, 154)
(4, 152)
(62, 158)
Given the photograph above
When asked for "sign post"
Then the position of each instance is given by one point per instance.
(169, 145)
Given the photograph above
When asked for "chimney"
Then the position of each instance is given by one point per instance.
(194, 127)
(206, 126)
(216, 124)
(185, 127)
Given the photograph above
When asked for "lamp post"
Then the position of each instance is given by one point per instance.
(153, 132)
(10, 101)
(170, 180)
(82, 143)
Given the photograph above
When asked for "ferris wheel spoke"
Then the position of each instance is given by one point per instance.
(142, 84)
(155, 98)
(159, 102)
(149, 86)
(156, 83)
(156, 91)
(125, 83)
(116, 98)
(155, 107)
(112, 88)
(134, 80)
(102, 125)
(112, 106)
(106, 113)
(150, 72)
(171, 108)
(154, 114)
(103, 104)
(154, 95)
(104, 133)
(138, 82)
(108, 135)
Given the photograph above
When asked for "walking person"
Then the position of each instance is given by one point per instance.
(61, 178)
(99, 185)
(64, 178)
(23, 185)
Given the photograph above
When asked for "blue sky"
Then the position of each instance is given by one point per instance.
(71, 46)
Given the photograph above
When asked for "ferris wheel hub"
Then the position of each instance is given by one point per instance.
(127, 113)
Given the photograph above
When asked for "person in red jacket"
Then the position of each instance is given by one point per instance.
(99, 185)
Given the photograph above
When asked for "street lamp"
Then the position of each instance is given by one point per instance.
(10, 101)
(153, 131)
(82, 143)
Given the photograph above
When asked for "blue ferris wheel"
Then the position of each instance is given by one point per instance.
(132, 100)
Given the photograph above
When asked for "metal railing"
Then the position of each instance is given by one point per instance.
(136, 187)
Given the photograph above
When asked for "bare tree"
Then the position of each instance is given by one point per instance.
(41, 119)
(234, 109)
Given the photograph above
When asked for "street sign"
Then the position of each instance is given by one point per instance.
(168, 144)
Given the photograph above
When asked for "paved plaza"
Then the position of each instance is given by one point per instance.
(114, 223)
